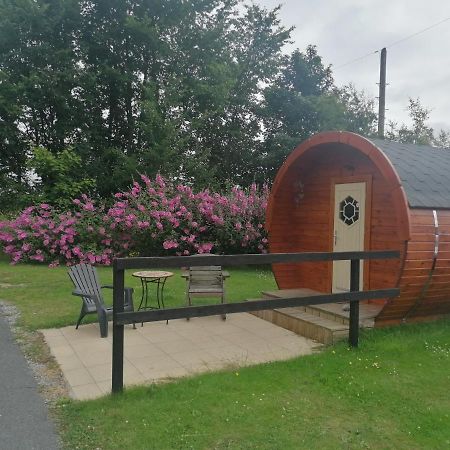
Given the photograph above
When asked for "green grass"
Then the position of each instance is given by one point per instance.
(44, 298)
(390, 393)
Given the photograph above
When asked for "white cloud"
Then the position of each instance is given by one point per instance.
(347, 29)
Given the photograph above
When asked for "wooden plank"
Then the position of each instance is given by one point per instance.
(443, 263)
(424, 277)
(239, 260)
(420, 255)
(423, 220)
(415, 246)
(118, 328)
(253, 305)
(423, 237)
(409, 273)
(424, 229)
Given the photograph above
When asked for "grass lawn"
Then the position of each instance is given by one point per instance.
(390, 393)
(44, 298)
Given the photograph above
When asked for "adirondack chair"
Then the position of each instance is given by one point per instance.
(87, 286)
(205, 281)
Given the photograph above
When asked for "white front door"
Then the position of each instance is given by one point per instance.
(349, 213)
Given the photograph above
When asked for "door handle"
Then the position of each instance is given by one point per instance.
(335, 237)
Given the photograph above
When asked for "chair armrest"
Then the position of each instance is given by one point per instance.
(128, 295)
(93, 297)
(83, 294)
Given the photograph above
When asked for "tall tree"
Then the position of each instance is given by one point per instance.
(419, 132)
(37, 79)
(198, 90)
(303, 101)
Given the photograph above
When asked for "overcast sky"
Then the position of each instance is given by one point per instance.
(344, 30)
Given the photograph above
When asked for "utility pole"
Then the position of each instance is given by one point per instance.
(382, 94)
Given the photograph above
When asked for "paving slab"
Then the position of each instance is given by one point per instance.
(24, 419)
(158, 351)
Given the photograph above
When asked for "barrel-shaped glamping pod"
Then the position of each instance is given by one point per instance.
(339, 191)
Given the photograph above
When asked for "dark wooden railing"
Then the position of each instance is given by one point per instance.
(121, 318)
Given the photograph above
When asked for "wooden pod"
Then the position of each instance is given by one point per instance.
(339, 191)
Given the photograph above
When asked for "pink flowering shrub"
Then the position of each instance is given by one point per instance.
(153, 218)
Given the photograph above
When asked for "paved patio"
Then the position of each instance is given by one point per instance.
(157, 352)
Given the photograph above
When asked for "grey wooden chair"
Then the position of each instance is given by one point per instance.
(87, 286)
(205, 281)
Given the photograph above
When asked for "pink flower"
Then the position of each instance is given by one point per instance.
(37, 257)
(170, 244)
(205, 248)
(160, 181)
(89, 206)
(145, 179)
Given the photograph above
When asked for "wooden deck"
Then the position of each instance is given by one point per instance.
(325, 323)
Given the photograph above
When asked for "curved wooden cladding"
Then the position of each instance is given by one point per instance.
(424, 292)
(301, 219)
(358, 144)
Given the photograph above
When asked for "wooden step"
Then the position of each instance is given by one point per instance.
(326, 314)
(336, 312)
(285, 293)
(305, 324)
(325, 323)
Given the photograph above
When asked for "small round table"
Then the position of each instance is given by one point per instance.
(158, 277)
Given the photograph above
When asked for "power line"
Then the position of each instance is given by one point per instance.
(394, 43)
(417, 33)
(357, 59)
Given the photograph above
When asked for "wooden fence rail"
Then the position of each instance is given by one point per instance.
(120, 318)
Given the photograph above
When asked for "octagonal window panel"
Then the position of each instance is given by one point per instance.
(349, 210)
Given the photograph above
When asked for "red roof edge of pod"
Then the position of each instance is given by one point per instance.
(363, 145)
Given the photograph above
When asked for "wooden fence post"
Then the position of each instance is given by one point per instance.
(118, 330)
(353, 332)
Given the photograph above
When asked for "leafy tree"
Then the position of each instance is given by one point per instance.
(420, 132)
(197, 90)
(443, 139)
(59, 176)
(37, 82)
(304, 101)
